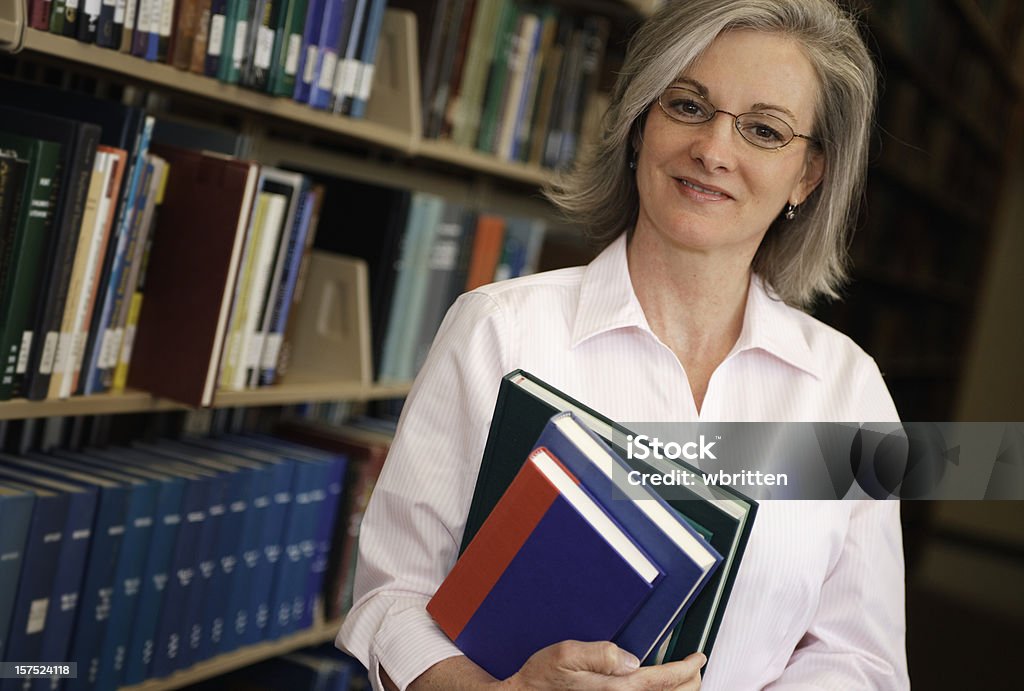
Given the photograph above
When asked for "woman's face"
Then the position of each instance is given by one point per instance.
(704, 187)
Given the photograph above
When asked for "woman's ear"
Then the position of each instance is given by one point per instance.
(814, 171)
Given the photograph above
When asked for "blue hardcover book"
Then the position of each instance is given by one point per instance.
(74, 552)
(226, 576)
(687, 558)
(16, 517)
(326, 500)
(327, 42)
(172, 625)
(530, 576)
(171, 492)
(276, 516)
(367, 59)
(148, 507)
(309, 56)
(286, 287)
(98, 582)
(119, 601)
(38, 569)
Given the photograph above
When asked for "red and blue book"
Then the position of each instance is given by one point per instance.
(565, 555)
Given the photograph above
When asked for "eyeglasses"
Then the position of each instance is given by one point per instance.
(760, 129)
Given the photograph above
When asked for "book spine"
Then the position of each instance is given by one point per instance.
(240, 610)
(99, 584)
(325, 523)
(236, 32)
(272, 540)
(155, 577)
(288, 50)
(88, 20)
(40, 564)
(309, 55)
(35, 223)
(130, 15)
(87, 240)
(199, 598)
(16, 517)
(138, 536)
(215, 40)
(39, 15)
(99, 344)
(327, 52)
(72, 15)
(197, 58)
(367, 60)
(56, 25)
(228, 563)
(105, 24)
(61, 255)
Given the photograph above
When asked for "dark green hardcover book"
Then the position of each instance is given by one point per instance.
(259, 44)
(12, 188)
(497, 77)
(235, 33)
(34, 224)
(287, 43)
(78, 142)
(57, 17)
(723, 515)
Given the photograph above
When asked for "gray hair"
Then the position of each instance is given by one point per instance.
(800, 259)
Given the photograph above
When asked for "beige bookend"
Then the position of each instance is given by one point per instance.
(395, 99)
(331, 338)
(13, 20)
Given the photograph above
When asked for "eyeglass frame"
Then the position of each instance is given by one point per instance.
(735, 118)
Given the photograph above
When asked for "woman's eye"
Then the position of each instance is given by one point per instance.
(687, 107)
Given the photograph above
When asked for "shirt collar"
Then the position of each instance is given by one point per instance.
(607, 302)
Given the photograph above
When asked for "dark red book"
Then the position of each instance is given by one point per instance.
(190, 278)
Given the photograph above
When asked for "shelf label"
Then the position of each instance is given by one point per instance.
(310, 66)
(241, 34)
(271, 350)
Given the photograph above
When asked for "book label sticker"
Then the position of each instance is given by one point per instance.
(215, 41)
(37, 615)
(264, 48)
(291, 61)
(26, 344)
(365, 82)
(49, 352)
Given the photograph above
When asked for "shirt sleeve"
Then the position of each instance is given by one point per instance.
(857, 638)
(410, 535)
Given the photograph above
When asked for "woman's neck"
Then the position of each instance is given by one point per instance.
(694, 301)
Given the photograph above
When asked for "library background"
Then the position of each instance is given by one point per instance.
(226, 337)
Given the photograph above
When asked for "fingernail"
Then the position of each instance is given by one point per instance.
(630, 662)
(703, 659)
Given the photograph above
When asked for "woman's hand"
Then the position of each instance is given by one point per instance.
(604, 666)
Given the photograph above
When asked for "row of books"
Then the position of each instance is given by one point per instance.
(508, 78)
(100, 206)
(427, 251)
(137, 561)
(321, 668)
(319, 52)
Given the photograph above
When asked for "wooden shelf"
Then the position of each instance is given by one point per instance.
(222, 664)
(446, 152)
(141, 402)
(140, 71)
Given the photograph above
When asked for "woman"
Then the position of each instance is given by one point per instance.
(725, 183)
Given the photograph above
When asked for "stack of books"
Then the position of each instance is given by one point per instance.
(525, 578)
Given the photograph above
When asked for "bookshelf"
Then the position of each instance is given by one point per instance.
(939, 175)
(387, 147)
(222, 664)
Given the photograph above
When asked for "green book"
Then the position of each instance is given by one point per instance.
(236, 30)
(31, 228)
(722, 515)
(284, 62)
(497, 78)
(57, 17)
